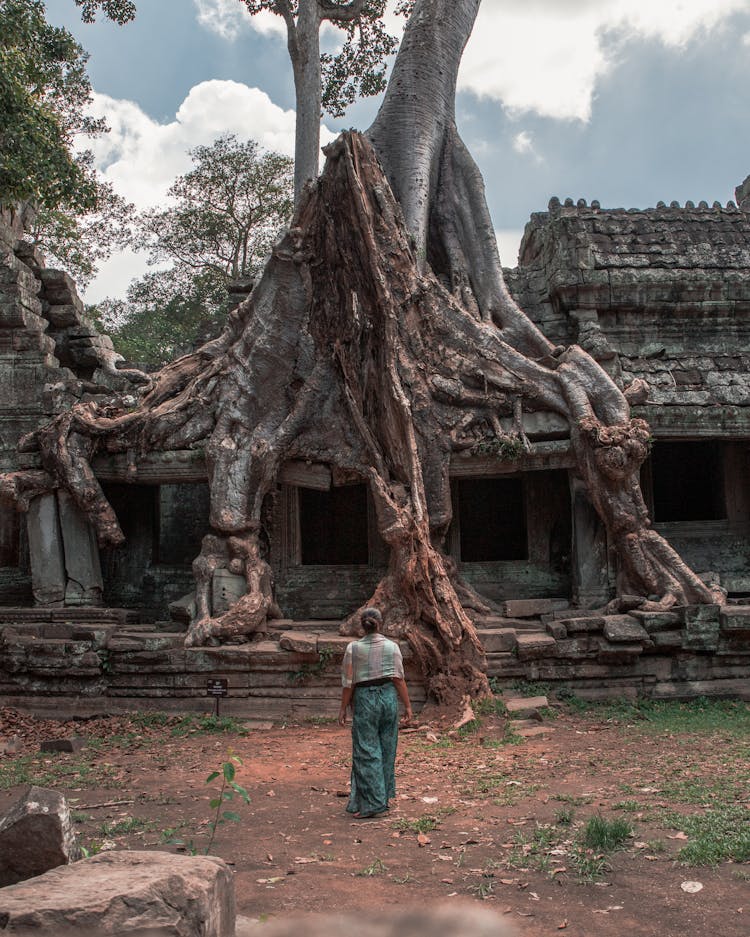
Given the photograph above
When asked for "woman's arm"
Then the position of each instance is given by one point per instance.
(403, 695)
(346, 698)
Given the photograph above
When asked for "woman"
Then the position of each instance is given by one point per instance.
(373, 682)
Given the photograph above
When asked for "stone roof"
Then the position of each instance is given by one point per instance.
(689, 256)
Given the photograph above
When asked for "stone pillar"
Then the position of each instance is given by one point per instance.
(46, 550)
(589, 565)
(84, 573)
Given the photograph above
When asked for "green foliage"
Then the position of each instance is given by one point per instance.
(226, 213)
(78, 243)
(125, 826)
(508, 447)
(121, 11)
(227, 791)
(194, 724)
(604, 835)
(358, 68)
(423, 824)
(376, 867)
(325, 655)
(44, 90)
(715, 835)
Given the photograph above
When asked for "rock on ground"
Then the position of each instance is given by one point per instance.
(36, 835)
(151, 894)
(466, 920)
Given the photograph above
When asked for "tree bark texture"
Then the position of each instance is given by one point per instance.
(380, 339)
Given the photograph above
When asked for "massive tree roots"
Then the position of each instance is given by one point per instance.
(353, 353)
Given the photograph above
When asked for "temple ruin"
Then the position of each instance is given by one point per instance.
(659, 294)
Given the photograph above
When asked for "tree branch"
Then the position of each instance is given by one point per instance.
(336, 13)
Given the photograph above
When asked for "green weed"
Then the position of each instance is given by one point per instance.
(602, 835)
(376, 867)
(715, 836)
(125, 826)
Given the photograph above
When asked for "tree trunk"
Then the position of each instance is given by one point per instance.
(380, 339)
(304, 51)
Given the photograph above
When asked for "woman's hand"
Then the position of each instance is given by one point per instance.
(342, 716)
(407, 718)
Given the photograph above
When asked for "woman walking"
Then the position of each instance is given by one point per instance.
(373, 682)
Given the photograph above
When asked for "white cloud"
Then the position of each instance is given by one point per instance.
(142, 157)
(229, 19)
(523, 143)
(546, 56)
(508, 242)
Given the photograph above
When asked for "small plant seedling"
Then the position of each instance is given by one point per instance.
(227, 791)
(376, 867)
(604, 835)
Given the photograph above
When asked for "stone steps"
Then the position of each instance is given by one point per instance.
(104, 660)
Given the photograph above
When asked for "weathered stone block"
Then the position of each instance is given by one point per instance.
(301, 642)
(657, 621)
(735, 619)
(73, 744)
(667, 640)
(623, 629)
(495, 640)
(526, 704)
(63, 315)
(533, 645)
(121, 893)
(531, 608)
(588, 624)
(557, 629)
(36, 835)
(227, 588)
(578, 647)
(619, 653)
(698, 613)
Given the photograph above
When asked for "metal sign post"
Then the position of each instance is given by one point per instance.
(217, 687)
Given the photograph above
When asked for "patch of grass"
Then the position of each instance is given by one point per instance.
(209, 724)
(564, 816)
(321, 720)
(589, 867)
(483, 888)
(45, 772)
(376, 867)
(699, 716)
(628, 806)
(576, 800)
(125, 827)
(602, 835)
(490, 706)
(706, 792)
(715, 836)
(423, 824)
(532, 688)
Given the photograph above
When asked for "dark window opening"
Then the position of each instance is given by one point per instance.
(183, 521)
(333, 526)
(493, 520)
(137, 510)
(688, 481)
(10, 537)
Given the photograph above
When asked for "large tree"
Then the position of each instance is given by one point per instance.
(380, 339)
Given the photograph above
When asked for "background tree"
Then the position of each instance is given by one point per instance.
(226, 211)
(77, 242)
(164, 315)
(330, 81)
(44, 91)
(224, 217)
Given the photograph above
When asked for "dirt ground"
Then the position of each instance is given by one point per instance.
(480, 815)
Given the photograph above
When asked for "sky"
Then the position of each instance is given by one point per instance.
(626, 101)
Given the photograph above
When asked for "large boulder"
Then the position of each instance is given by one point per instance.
(36, 835)
(152, 894)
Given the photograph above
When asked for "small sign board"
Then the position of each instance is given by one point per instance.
(217, 687)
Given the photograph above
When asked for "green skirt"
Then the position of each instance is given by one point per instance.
(374, 741)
